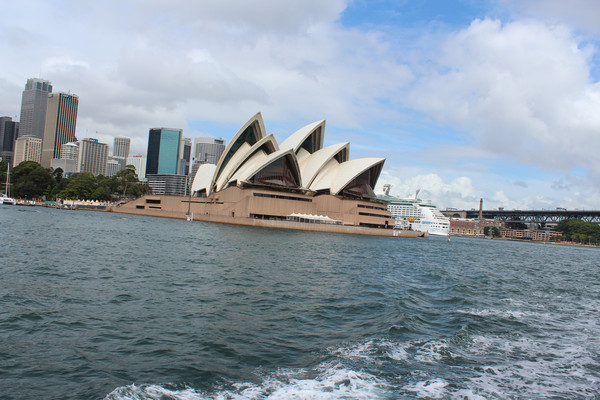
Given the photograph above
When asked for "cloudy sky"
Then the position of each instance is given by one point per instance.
(466, 99)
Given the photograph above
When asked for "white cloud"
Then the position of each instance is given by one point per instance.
(518, 91)
(582, 14)
(458, 193)
(518, 88)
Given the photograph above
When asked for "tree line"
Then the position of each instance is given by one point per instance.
(29, 180)
(580, 231)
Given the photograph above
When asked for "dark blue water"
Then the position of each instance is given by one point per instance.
(109, 306)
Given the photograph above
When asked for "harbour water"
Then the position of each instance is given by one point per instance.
(104, 306)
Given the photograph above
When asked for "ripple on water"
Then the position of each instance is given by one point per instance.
(143, 308)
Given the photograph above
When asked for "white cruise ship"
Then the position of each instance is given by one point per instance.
(416, 214)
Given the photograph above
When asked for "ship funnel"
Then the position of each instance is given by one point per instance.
(386, 189)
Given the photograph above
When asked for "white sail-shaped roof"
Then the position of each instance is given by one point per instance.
(335, 176)
(312, 134)
(271, 158)
(312, 164)
(254, 158)
(267, 144)
(246, 137)
(203, 177)
(325, 176)
(349, 170)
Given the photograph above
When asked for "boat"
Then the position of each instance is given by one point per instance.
(416, 214)
(5, 197)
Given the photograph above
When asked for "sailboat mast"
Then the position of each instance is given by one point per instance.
(7, 190)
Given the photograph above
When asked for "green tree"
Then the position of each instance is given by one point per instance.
(126, 177)
(491, 230)
(60, 186)
(109, 186)
(578, 230)
(81, 186)
(102, 193)
(30, 180)
(58, 174)
(138, 189)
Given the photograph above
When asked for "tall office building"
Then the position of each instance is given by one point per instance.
(27, 149)
(165, 162)
(92, 157)
(185, 153)
(207, 150)
(33, 107)
(117, 161)
(121, 147)
(61, 120)
(9, 130)
(163, 151)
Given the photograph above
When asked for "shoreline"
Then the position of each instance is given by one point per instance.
(241, 221)
(274, 224)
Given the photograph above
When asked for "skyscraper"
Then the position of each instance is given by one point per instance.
(61, 120)
(163, 151)
(92, 157)
(9, 130)
(121, 147)
(185, 153)
(120, 154)
(33, 107)
(207, 150)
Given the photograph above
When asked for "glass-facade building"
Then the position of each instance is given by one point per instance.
(9, 131)
(163, 151)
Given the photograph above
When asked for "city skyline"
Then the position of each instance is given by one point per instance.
(466, 100)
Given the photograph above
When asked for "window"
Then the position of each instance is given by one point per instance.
(277, 196)
(360, 186)
(278, 173)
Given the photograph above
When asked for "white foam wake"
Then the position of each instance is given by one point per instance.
(334, 382)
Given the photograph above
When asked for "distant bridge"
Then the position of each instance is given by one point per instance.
(530, 216)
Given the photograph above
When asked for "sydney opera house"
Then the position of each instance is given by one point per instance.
(298, 184)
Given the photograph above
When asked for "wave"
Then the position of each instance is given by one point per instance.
(333, 382)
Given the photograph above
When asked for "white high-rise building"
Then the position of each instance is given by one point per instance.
(69, 151)
(27, 149)
(139, 162)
